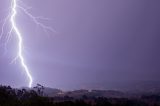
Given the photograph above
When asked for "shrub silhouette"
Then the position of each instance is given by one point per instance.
(23, 97)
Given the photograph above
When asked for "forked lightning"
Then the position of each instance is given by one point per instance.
(11, 18)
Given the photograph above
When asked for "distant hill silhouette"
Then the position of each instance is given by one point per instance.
(43, 96)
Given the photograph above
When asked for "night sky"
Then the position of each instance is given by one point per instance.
(97, 44)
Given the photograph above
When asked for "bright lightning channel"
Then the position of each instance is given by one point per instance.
(12, 18)
(20, 40)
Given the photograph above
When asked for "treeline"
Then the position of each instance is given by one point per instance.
(23, 97)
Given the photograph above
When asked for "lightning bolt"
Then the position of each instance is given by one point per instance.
(12, 18)
(20, 40)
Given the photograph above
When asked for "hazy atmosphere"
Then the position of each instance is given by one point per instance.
(97, 44)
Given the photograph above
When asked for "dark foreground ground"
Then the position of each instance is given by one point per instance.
(23, 97)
